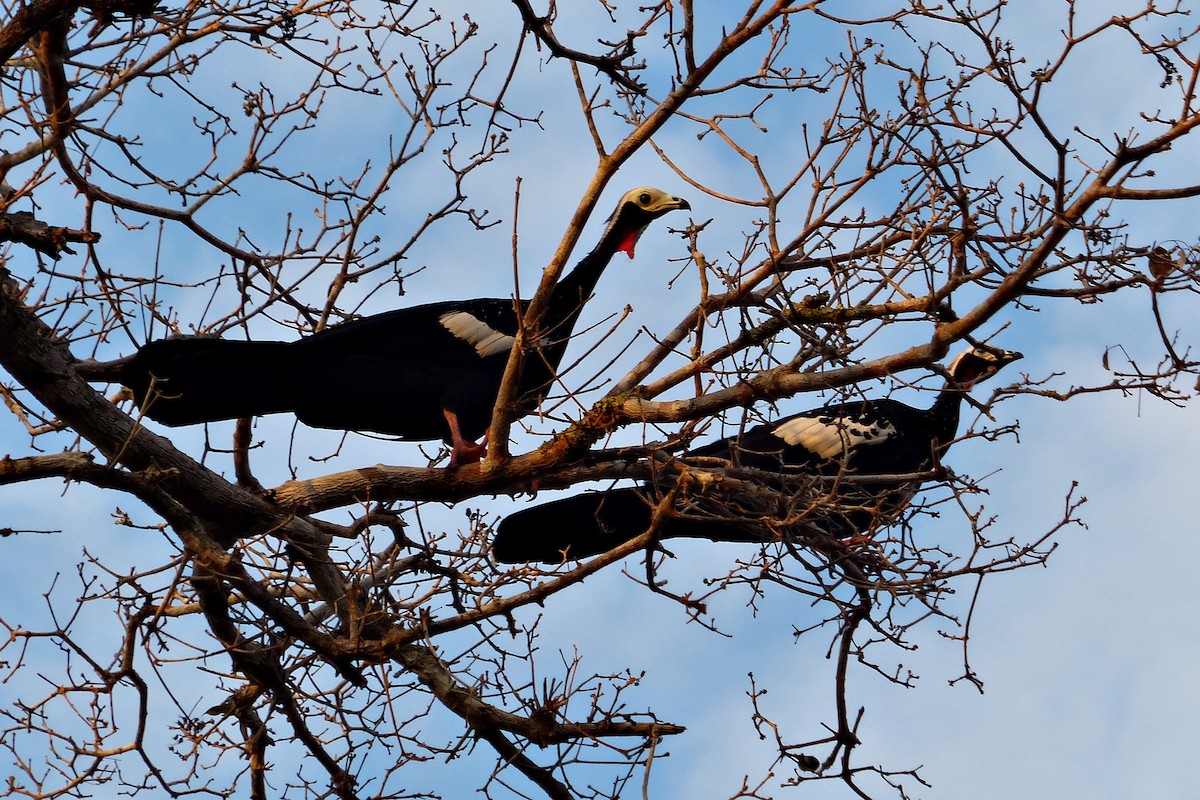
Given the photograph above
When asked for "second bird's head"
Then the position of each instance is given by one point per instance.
(637, 209)
(980, 363)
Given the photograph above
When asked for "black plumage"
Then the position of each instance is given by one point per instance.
(817, 459)
(427, 372)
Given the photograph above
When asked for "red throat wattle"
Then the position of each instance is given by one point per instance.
(627, 244)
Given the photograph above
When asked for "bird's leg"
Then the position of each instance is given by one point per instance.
(462, 451)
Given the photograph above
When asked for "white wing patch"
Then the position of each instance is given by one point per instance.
(486, 340)
(831, 437)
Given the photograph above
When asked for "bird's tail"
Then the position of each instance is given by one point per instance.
(594, 522)
(185, 381)
(574, 527)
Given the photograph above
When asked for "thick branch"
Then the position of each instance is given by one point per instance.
(22, 227)
(29, 20)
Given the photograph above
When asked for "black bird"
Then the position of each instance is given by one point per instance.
(837, 443)
(427, 372)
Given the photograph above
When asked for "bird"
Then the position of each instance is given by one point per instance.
(421, 373)
(822, 456)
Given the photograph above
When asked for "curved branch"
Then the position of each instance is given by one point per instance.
(611, 66)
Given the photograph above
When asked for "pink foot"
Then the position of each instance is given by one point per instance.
(462, 450)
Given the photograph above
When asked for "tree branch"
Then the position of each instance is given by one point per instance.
(22, 227)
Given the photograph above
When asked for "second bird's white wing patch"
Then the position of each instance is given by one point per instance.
(832, 437)
(486, 340)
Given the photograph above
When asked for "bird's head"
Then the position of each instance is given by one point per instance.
(980, 363)
(637, 209)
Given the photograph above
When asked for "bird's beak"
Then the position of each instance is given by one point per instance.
(669, 203)
(1009, 356)
(1001, 355)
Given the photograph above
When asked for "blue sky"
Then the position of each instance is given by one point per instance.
(1086, 663)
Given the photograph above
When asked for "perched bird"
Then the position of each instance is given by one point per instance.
(838, 445)
(427, 372)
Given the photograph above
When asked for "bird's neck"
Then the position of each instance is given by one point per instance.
(945, 414)
(574, 289)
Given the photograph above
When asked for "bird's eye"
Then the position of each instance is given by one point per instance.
(644, 198)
